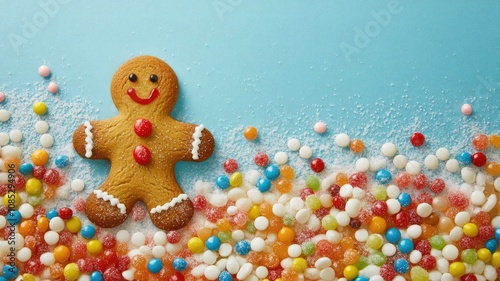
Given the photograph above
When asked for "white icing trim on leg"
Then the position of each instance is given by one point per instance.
(89, 143)
(196, 141)
(112, 200)
(168, 205)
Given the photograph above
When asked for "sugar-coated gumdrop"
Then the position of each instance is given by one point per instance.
(358, 180)
(261, 159)
(480, 141)
(199, 202)
(230, 165)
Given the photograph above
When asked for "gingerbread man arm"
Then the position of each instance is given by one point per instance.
(90, 140)
(197, 145)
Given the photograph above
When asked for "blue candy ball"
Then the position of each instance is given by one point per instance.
(52, 214)
(361, 278)
(225, 276)
(263, 184)
(383, 176)
(155, 265)
(393, 235)
(491, 245)
(62, 161)
(464, 158)
(497, 234)
(180, 264)
(10, 272)
(212, 243)
(405, 246)
(401, 266)
(3, 278)
(222, 182)
(96, 276)
(242, 247)
(404, 199)
(272, 172)
(14, 217)
(26, 168)
(87, 231)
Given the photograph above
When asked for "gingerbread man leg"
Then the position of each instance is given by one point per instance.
(171, 210)
(108, 208)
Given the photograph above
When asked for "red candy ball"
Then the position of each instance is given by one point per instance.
(468, 277)
(402, 179)
(303, 193)
(142, 155)
(65, 213)
(428, 262)
(437, 185)
(261, 159)
(143, 128)
(339, 202)
(479, 159)
(177, 276)
(52, 177)
(317, 165)
(334, 190)
(358, 180)
(230, 165)
(199, 202)
(379, 208)
(112, 274)
(417, 139)
(19, 182)
(173, 237)
(38, 172)
(34, 266)
(108, 241)
(401, 219)
(425, 198)
(420, 181)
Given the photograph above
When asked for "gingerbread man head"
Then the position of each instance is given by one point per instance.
(145, 84)
(143, 143)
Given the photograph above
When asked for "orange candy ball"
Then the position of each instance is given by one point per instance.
(12, 162)
(42, 224)
(40, 157)
(357, 146)
(286, 235)
(284, 185)
(351, 256)
(223, 225)
(341, 179)
(347, 243)
(250, 133)
(377, 225)
(62, 254)
(480, 141)
(493, 168)
(287, 172)
(280, 249)
(495, 140)
(27, 227)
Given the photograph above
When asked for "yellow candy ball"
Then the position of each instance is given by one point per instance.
(196, 245)
(28, 277)
(254, 212)
(350, 272)
(74, 224)
(94, 247)
(236, 179)
(12, 200)
(40, 108)
(495, 259)
(470, 229)
(484, 255)
(299, 264)
(457, 269)
(34, 186)
(71, 271)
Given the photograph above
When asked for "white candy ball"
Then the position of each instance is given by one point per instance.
(468, 175)
(353, 207)
(47, 259)
(294, 250)
(41, 127)
(124, 236)
(462, 218)
(303, 216)
(361, 235)
(362, 164)
(279, 210)
(4, 138)
(51, 237)
(456, 233)
(47, 140)
(280, 158)
(26, 210)
(343, 218)
(413, 167)
(443, 154)
(4, 115)
(424, 210)
(342, 140)
(305, 152)
(24, 254)
(388, 149)
(225, 249)
(296, 203)
(450, 252)
(389, 249)
(258, 244)
(393, 191)
(496, 184)
(293, 144)
(400, 161)
(261, 223)
(138, 239)
(431, 162)
(415, 256)
(15, 136)
(414, 231)
(346, 190)
(393, 206)
(478, 198)
(452, 165)
(211, 272)
(56, 224)
(77, 185)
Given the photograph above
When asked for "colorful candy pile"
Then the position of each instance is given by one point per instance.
(372, 219)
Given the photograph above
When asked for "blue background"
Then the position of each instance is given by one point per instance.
(277, 65)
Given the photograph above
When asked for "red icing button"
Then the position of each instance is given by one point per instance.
(142, 155)
(142, 127)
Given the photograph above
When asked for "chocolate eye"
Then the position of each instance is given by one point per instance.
(132, 77)
(153, 78)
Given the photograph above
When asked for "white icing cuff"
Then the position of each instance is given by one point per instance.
(196, 141)
(89, 143)
(112, 200)
(172, 203)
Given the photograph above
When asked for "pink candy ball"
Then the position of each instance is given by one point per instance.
(466, 109)
(2, 96)
(44, 71)
(320, 127)
(52, 88)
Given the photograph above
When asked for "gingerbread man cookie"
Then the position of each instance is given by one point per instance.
(143, 143)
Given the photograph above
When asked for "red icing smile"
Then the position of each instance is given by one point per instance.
(152, 96)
